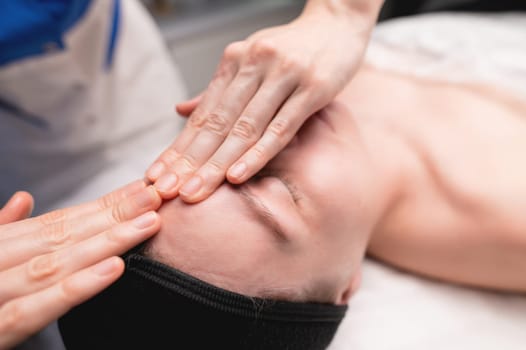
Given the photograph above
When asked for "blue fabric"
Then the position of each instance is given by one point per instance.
(113, 33)
(29, 27)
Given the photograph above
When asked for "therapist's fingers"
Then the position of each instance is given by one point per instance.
(62, 215)
(19, 207)
(55, 235)
(24, 316)
(108, 200)
(225, 73)
(43, 271)
(216, 129)
(57, 246)
(242, 135)
(277, 135)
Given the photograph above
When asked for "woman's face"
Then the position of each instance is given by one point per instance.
(297, 231)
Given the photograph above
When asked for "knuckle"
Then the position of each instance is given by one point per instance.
(170, 156)
(293, 65)
(42, 266)
(215, 166)
(12, 317)
(197, 119)
(248, 70)
(118, 213)
(217, 123)
(53, 217)
(189, 164)
(259, 153)
(245, 129)
(316, 81)
(280, 128)
(55, 235)
(223, 71)
(233, 51)
(106, 201)
(263, 48)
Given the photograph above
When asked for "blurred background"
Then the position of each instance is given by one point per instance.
(197, 31)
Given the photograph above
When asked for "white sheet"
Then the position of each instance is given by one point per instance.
(456, 47)
(398, 311)
(394, 310)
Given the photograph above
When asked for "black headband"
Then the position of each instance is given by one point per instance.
(153, 306)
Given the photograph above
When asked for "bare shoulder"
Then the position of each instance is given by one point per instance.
(469, 141)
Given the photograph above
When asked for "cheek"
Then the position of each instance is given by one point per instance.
(329, 186)
(341, 186)
(342, 209)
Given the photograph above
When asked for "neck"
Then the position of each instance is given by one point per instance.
(393, 163)
(380, 151)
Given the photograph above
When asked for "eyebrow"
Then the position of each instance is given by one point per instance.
(261, 212)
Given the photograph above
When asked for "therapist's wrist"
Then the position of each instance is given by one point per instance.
(362, 15)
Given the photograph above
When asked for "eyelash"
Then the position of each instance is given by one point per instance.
(296, 197)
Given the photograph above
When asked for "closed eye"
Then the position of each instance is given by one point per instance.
(289, 184)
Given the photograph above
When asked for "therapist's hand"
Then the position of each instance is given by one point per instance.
(50, 263)
(264, 89)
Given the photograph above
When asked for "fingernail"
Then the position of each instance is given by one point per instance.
(238, 170)
(107, 267)
(192, 186)
(145, 198)
(166, 182)
(155, 171)
(145, 220)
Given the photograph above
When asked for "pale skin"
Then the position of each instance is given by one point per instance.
(413, 181)
(53, 262)
(263, 91)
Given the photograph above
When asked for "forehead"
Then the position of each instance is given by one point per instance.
(220, 224)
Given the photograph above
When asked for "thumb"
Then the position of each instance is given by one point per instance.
(19, 207)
